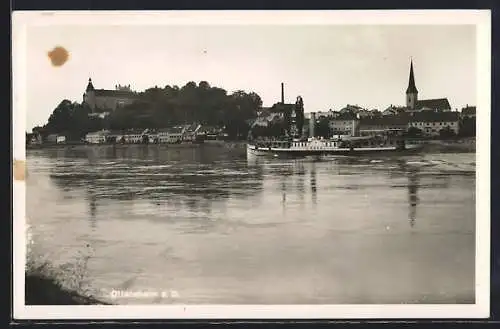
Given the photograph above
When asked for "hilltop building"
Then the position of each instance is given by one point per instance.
(102, 100)
(414, 104)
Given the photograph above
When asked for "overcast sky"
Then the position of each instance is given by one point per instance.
(328, 65)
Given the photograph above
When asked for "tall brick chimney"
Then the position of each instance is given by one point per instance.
(282, 93)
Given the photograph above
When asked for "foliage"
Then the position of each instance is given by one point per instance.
(71, 120)
(163, 107)
(171, 105)
(274, 129)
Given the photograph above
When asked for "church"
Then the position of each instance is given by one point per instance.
(414, 104)
(103, 100)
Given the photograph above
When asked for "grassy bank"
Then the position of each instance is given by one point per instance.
(60, 284)
(42, 290)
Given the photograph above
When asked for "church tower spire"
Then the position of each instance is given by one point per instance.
(411, 91)
(90, 86)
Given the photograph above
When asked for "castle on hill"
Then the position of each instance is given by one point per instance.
(105, 100)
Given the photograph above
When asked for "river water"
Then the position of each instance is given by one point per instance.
(152, 225)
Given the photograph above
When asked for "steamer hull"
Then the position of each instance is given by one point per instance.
(318, 151)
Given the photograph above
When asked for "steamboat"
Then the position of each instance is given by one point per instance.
(291, 145)
(342, 145)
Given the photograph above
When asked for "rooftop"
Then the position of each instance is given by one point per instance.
(345, 116)
(116, 93)
(171, 130)
(387, 120)
(469, 110)
(432, 116)
(436, 103)
(398, 108)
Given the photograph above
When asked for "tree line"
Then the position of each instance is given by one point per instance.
(159, 108)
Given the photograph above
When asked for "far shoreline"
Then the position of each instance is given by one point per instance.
(458, 144)
(77, 145)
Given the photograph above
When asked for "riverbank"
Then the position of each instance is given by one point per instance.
(42, 290)
(82, 146)
(449, 145)
(459, 145)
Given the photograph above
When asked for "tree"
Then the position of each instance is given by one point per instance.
(162, 107)
(72, 120)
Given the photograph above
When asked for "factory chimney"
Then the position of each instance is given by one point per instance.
(282, 93)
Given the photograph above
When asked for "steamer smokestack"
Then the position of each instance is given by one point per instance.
(282, 93)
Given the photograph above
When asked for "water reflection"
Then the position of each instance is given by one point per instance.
(313, 184)
(283, 191)
(301, 184)
(413, 182)
(156, 153)
(92, 199)
(195, 177)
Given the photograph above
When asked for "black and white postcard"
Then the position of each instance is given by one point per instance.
(251, 164)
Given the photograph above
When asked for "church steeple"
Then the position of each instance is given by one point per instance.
(411, 83)
(90, 86)
(411, 91)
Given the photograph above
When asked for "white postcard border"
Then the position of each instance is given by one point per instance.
(480, 18)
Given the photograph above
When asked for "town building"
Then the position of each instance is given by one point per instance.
(468, 112)
(212, 132)
(432, 122)
(291, 115)
(170, 135)
(134, 136)
(114, 136)
(190, 131)
(414, 104)
(266, 117)
(370, 126)
(363, 113)
(326, 114)
(353, 109)
(344, 124)
(52, 138)
(349, 108)
(103, 100)
(33, 138)
(394, 110)
(97, 137)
